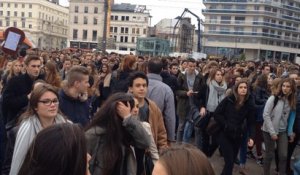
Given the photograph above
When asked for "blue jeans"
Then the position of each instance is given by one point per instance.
(187, 132)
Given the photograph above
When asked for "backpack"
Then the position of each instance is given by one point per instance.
(275, 101)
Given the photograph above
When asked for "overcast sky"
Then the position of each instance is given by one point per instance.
(160, 9)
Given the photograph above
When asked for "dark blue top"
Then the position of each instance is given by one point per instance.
(74, 109)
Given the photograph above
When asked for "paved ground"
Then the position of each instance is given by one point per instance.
(251, 167)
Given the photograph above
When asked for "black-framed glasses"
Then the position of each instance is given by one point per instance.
(48, 102)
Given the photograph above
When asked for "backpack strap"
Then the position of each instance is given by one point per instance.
(275, 102)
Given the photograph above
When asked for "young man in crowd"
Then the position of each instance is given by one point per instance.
(73, 96)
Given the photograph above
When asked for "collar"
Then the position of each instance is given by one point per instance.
(154, 76)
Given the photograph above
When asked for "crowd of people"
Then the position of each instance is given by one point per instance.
(74, 112)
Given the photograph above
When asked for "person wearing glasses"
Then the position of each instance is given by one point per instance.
(41, 113)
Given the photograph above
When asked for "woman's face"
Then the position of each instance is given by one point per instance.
(47, 106)
(219, 77)
(286, 88)
(237, 79)
(242, 89)
(159, 169)
(17, 68)
(104, 69)
(135, 109)
(8, 65)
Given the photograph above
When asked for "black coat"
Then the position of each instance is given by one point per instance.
(234, 122)
(15, 98)
(297, 120)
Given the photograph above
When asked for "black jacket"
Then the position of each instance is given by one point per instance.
(15, 98)
(297, 120)
(234, 122)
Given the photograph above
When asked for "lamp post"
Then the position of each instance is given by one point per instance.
(105, 27)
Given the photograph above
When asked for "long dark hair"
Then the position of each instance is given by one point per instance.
(239, 101)
(291, 97)
(59, 149)
(115, 135)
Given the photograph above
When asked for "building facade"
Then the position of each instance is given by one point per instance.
(127, 23)
(181, 37)
(86, 23)
(44, 23)
(259, 29)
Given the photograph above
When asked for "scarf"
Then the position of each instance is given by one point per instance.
(29, 128)
(216, 95)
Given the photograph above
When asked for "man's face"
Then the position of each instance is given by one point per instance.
(174, 70)
(33, 68)
(82, 85)
(104, 61)
(191, 67)
(266, 70)
(67, 65)
(139, 88)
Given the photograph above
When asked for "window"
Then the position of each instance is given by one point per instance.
(75, 19)
(23, 24)
(29, 14)
(121, 39)
(133, 30)
(132, 39)
(84, 34)
(225, 19)
(8, 13)
(0, 23)
(126, 29)
(75, 34)
(95, 21)
(15, 13)
(30, 6)
(212, 28)
(115, 29)
(94, 35)
(8, 4)
(15, 24)
(111, 18)
(96, 10)
(85, 20)
(116, 18)
(1, 13)
(76, 9)
(86, 9)
(127, 18)
(30, 26)
(122, 29)
(226, 6)
(1, 5)
(23, 5)
(23, 14)
(137, 31)
(7, 23)
(126, 39)
(16, 5)
(145, 31)
(123, 18)
(256, 7)
(111, 29)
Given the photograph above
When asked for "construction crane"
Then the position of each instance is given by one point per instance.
(199, 31)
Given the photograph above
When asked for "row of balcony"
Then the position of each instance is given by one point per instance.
(241, 33)
(276, 4)
(253, 12)
(251, 23)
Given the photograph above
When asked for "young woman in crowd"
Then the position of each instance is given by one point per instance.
(41, 113)
(261, 93)
(215, 94)
(14, 70)
(128, 66)
(59, 149)
(105, 82)
(234, 115)
(278, 124)
(182, 159)
(112, 136)
(51, 74)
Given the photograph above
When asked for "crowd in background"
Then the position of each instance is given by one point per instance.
(134, 108)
